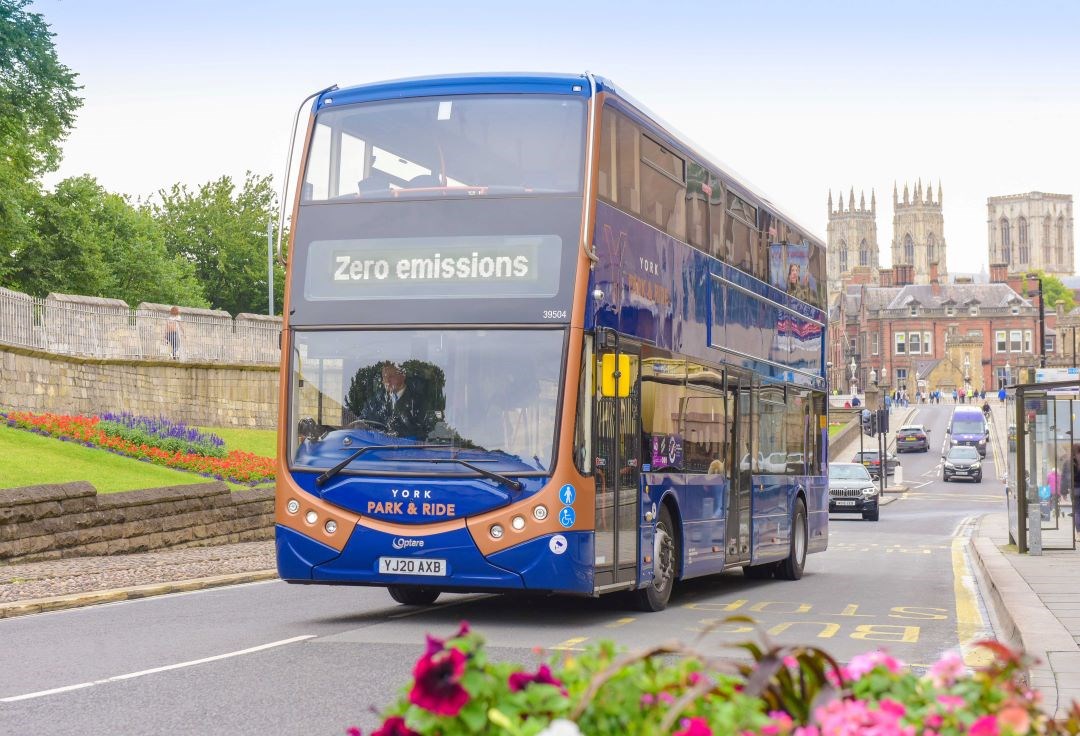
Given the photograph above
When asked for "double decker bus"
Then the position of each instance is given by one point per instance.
(537, 341)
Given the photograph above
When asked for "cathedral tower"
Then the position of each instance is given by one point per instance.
(918, 233)
(852, 241)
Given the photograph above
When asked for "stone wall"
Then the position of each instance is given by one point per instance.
(72, 520)
(203, 394)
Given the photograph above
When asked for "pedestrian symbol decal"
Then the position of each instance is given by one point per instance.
(567, 516)
(557, 544)
(567, 495)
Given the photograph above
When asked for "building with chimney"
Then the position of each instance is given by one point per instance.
(1031, 232)
(937, 336)
(918, 243)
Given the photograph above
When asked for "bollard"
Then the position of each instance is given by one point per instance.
(1034, 523)
(898, 475)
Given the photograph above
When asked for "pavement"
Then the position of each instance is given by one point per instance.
(1035, 600)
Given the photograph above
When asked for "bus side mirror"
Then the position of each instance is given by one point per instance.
(614, 376)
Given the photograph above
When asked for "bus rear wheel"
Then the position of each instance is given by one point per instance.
(655, 596)
(792, 567)
(410, 596)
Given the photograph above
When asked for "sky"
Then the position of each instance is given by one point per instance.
(797, 97)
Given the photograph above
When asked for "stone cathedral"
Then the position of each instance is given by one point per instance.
(918, 243)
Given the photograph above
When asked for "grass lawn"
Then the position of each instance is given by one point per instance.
(262, 442)
(835, 428)
(29, 459)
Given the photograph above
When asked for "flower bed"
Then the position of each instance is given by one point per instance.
(161, 433)
(234, 466)
(670, 689)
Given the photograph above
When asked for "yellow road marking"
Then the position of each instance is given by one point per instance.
(571, 644)
(620, 622)
(969, 623)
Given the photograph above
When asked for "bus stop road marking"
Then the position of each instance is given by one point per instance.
(570, 645)
(155, 670)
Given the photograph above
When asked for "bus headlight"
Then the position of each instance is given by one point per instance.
(496, 531)
(311, 517)
(331, 526)
(292, 506)
(540, 513)
(518, 522)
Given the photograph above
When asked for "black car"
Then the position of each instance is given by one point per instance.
(872, 460)
(852, 491)
(912, 437)
(963, 461)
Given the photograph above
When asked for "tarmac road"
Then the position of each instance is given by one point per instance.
(274, 658)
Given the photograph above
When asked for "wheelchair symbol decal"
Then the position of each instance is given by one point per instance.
(567, 517)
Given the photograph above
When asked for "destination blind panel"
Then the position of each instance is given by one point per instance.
(449, 267)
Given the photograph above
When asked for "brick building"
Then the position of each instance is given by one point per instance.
(936, 335)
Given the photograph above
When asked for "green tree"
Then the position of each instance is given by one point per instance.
(95, 243)
(222, 231)
(37, 109)
(1054, 291)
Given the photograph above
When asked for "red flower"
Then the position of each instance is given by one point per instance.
(695, 727)
(437, 687)
(520, 680)
(394, 726)
(437, 645)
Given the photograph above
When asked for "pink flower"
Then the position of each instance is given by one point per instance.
(520, 680)
(892, 707)
(647, 699)
(1015, 719)
(951, 702)
(437, 687)
(790, 662)
(861, 664)
(694, 727)
(693, 678)
(781, 724)
(666, 698)
(947, 670)
(394, 726)
(807, 731)
(353, 731)
(984, 726)
(934, 720)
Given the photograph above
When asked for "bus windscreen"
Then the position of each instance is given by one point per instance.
(468, 146)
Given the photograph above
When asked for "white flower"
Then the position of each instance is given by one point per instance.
(561, 727)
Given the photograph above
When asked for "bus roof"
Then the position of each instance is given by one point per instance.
(538, 83)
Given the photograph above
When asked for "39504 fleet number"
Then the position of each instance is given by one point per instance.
(554, 314)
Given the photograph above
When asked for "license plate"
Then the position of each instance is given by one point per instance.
(411, 566)
(844, 503)
(910, 439)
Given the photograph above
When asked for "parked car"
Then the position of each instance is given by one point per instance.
(852, 491)
(912, 437)
(872, 460)
(962, 461)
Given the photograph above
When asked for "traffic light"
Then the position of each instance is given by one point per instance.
(883, 420)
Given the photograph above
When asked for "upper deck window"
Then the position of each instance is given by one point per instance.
(468, 145)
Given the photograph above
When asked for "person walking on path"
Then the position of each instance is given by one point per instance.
(174, 332)
(1001, 394)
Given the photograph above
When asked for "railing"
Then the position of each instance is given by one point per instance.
(109, 328)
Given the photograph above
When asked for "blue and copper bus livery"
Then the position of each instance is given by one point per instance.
(536, 341)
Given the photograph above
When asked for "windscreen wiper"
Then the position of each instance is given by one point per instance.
(513, 484)
(341, 466)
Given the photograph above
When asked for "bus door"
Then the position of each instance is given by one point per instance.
(617, 418)
(741, 470)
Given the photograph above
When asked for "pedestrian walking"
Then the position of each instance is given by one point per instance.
(174, 332)
(1001, 394)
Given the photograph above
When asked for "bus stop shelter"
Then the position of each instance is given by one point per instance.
(1042, 436)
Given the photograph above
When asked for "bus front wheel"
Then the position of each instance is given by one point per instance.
(410, 596)
(792, 567)
(654, 596)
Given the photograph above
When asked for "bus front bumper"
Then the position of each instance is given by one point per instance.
(446, 561)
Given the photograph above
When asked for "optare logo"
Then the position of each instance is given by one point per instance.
(402, 543)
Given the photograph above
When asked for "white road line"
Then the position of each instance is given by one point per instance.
(131, 675)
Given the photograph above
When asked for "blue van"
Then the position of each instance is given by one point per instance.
(967, 427)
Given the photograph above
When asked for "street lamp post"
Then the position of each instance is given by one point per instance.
(270, 265)
(1042, 318)
(853, 367)
(967, 375)
(1008, 373)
